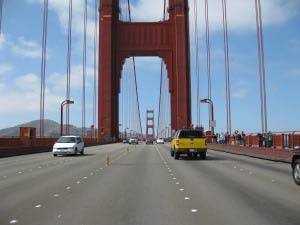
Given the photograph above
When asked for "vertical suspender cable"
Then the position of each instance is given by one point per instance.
(84, 67)
(161, 79)
(134, 70)
(1, 7)
(95, 67)
(69, 66)
(160, 97)
(263, 97)
(227, 74)
(208, 59)
(197, 60)
(43, 68)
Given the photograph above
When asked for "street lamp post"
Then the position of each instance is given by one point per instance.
(65, 102)
(125, 132)
(211, 123)
(167, 128)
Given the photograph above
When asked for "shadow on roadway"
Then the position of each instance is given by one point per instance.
(208, 158)
(85, 155)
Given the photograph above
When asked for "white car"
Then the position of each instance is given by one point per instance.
(68, 145)
(160, 141)
(133, 141)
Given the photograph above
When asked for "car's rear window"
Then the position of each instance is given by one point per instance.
(191, 134)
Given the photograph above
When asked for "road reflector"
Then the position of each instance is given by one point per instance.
(107, 160)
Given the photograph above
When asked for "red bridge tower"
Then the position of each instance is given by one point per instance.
(150, 124)
(119, 40)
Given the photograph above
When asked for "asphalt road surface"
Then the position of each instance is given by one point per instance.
(145, 186)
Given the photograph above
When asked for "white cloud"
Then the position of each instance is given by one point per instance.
(295, 73)
(57, 81)
(2, 40)
(5, 68)
(240, 93)
(26, 48)
(241, 14)
(27, 82)
(24, 94)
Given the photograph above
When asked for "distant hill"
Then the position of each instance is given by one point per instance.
(52, 129)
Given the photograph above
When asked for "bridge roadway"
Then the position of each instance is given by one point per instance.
(146, 187)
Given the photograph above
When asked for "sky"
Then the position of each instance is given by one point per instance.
(20, 62)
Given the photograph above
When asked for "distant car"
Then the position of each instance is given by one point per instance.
(149, 141)
(296, 165)
(160, 141)
(125, 141)
(133, 141)
(68, 145)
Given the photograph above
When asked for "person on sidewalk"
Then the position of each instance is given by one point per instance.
(270, 139)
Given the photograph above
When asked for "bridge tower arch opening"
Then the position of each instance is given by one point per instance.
(119, 40)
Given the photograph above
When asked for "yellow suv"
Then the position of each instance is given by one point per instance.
(190, 142)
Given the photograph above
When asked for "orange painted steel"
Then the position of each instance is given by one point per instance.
(119, 40)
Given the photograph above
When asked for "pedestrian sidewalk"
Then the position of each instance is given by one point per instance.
(257, 152)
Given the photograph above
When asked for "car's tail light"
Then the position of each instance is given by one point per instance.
(177, 142)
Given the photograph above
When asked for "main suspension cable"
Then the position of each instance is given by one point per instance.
(95, 68)
(197, 60)
(43, 67)
(227, 74)
(1, 7)
(134, 70)
(161, 79)
(208, 60)
(69, 66)
(261, 59)
(84, 67)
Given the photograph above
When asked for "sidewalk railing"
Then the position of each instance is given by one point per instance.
(280, 140)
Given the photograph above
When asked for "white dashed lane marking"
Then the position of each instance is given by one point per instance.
(38, 206)
(177, 182)
(59, 216)
(56, 195)
(13, 221)
(68, 188)
(186, 198)
(194, 210)
(181, 189)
